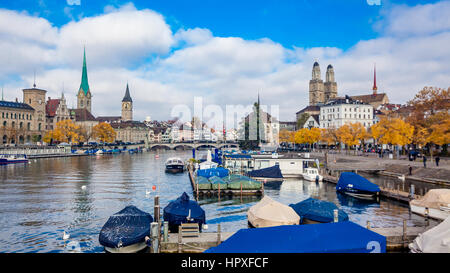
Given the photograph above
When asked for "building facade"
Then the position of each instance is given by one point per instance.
(339, 112)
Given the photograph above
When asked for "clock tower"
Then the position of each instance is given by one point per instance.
(127, 106)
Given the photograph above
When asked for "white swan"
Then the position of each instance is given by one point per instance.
(402, 177)
(147, 192)
(83, 187)
(65, 235)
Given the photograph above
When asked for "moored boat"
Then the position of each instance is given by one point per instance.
(434, 204)
(174, 165)
(357, 186)
(313, 211)
(125, 231)
(435, 240)
(183, 210)
(270, 175)
(269, 213)
(237, 182)
(13, 159)
(217, 182)
(312, 174)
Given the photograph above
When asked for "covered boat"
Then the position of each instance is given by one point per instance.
(267, 174)
(236, 182)
(268, 213)
(203, 183)
(183, 210)
(435, 240)
(355, 185)
(341, 237)
(313, 211)
(219, 172)
(216, 181)
(125, 231)
(435, 204)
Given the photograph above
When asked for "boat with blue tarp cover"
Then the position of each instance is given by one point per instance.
(313, 211)
(125, 231)
(219, 172)
(271, 176)
(217, 182)
(183, 210)
(340, 237)
(355, 185)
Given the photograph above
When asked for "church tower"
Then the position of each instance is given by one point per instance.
(316, 87)
(127, 106)
(84, 93)
(330, 84)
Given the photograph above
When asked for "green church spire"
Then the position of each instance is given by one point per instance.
(84, 78)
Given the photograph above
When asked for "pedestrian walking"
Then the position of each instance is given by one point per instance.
(437, 161)
(410, 169)
(424, 161)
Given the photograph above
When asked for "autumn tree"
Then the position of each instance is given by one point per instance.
(284, 135)
(392, 131)
(307, 136)
(66, 131)
(104, 132)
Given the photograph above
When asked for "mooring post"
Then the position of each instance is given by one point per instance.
(336, 218)
(404, 232)
(262, 188)
(219, 192)
(179, 240)
(156, 209)
(166, 231)
(154, 236)
(219, 239)
(411, 192)
(241, 189)
(197, 190)
(368, 225)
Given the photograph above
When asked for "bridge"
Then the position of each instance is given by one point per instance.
(190, 145)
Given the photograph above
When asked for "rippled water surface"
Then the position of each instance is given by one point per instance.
(40, 200)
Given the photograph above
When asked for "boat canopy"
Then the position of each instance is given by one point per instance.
(341, 237)
(318, 210)
(220, 172)
(126, 227)
(235, 181)
(435, 240)
(203, 183)
(434, 198)
(177, 212)
(270, 172)
(355, 181)
(268, 212)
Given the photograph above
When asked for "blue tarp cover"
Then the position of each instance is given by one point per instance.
(129, 226)
(358, 182)
(318, 210)
(176, 212)
(270, 172)
(341, 237)
(238, 156)
(220, 172)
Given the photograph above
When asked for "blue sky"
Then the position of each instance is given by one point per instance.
(224, 51)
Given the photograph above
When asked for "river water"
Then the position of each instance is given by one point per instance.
(41, 200)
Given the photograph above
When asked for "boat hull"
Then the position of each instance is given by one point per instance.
(312, 178)
(127, 249)
(174, 168)
(361, 194)
(6, 161)
(432, 212)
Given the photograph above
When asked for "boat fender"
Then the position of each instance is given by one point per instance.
(119, 244)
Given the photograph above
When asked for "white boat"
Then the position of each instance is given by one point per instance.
(435, 240)
(312, 174)
(11, 159)
(99, 152)
(174, 164)
(269, 213)
(434, 204)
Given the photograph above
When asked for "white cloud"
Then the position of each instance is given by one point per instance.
(73, 2)
(165, 68)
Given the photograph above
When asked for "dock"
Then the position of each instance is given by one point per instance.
(224, 192)
(198, 244)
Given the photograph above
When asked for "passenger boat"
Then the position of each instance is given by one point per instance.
(12, 159)
(126, 231)
(183, 210)
(357, 186)
(434, 204)
(174, 165)
(312, 174)
(269, 213)
(314, 211)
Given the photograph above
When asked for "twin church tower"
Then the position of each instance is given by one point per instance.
(84, 97)
(320, 92)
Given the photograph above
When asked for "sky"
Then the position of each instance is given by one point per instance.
(225, 52)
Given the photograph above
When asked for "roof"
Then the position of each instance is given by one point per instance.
(127, 96)
(370, 98)
(84, 77)
(82, 115)
(17, 105)
(51, 106)
(346, 100)
(128, 124)
(316, 118)
(309, 108)
(316, 64)
(109, 119)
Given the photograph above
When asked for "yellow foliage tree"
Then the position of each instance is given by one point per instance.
(66, 131)
(392, 131)
(309, 136)
(104, 132)
(284, 135)
(352, 134)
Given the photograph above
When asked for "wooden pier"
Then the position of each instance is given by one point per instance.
(222, 192)
(205, 240)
